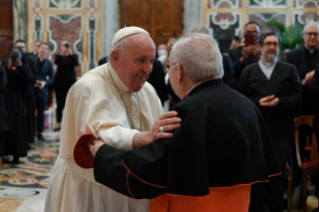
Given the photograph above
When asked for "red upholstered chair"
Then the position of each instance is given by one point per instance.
(307, 167)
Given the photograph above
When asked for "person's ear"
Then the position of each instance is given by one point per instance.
(180, 72)
(259, 47)
(115, 56)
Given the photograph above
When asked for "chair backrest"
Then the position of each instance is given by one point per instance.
(305, 120)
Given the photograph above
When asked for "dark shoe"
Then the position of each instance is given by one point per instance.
(57, 129)
(40, 137)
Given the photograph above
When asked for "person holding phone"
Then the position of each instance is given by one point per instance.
(65, 77)
(19, 77)
(248, 53)
(44, 79)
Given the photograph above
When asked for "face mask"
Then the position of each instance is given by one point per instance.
(161, 52)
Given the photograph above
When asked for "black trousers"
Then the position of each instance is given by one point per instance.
(275, 188)
(61, 93)
(40, 106)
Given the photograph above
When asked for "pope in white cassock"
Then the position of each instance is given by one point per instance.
(114, 103)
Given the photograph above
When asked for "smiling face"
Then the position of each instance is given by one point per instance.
(269, 50)
(134, 62)
(43, 49)
(311, 37)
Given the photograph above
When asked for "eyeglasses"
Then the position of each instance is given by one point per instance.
(167, 67)
(268, 44)
(311, 34)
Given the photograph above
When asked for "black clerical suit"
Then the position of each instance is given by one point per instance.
(222, 142)
(19, 78)
(314, 89)
(284, 83)
(4, 122)
(304, 62)
(235, 54)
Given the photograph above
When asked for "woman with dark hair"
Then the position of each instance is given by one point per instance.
(19, 77)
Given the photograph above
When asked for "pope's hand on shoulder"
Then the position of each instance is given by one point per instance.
(161, 129)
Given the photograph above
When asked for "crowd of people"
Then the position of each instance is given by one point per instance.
(207, 124)
(27, 81)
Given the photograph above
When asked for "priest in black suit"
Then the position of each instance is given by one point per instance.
(305, 59)
(275, 88)
(245, 55)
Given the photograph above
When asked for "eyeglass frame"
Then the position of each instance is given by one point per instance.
(315, 34)
(269, 44)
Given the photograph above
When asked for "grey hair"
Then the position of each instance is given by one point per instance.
(201, 30)
(199, 56)
(310, 23)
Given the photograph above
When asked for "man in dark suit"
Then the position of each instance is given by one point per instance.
(305, 59)
(274, 86)
(245, 55)
(45, 70)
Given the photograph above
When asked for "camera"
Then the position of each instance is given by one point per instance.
(67, 45)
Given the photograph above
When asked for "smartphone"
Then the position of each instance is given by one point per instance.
(38, 84)
(251, 39)
(67, 45)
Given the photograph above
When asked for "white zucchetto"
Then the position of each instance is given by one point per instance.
(126, 31)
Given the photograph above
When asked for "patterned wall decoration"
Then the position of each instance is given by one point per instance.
(266, 17)
(226, 18)
(91, 42)
(77, 21)
(37, 4)
(37, 30)
(224, 3)
(224, 26)
(64, 27)
(92, 4)
(64, 4)
(267, 3)
(307, 3)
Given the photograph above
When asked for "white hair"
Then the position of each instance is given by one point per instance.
(199, 56)
(310, 23)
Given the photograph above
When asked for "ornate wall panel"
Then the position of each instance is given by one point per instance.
(226, 18)
(77, 21)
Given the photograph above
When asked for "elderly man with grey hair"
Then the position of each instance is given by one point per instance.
(305, 59)
(220, 149)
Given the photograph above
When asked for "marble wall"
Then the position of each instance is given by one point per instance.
(90, 24)
(77, 21)
(20, 20)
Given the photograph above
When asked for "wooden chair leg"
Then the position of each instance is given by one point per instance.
(304, 191)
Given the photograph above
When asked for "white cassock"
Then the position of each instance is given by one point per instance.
(95, 106)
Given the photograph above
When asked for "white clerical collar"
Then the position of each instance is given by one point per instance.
(268, 64)
(117, 80)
